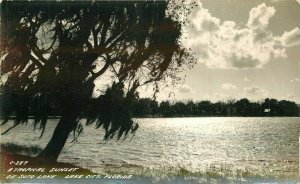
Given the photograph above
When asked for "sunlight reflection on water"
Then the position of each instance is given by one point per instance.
(255, 145)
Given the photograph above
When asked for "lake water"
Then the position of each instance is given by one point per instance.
(256, 146)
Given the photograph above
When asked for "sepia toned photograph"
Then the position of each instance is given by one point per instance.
(150, 91)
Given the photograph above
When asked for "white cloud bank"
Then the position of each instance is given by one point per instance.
(255, 93)
(177, 92)
(184, 88)
(246, 79)
(291, 38)
(297, 79)
(289, 97)
(224, 44)
(228, 86)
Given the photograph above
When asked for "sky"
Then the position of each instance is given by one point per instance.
(244, 49)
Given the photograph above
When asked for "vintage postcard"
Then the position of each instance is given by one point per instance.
(156, 91)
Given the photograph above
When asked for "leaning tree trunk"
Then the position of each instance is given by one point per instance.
(60, 135)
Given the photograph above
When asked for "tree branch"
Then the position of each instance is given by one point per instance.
(104, 32)
(6, 131)
(97, 74)
(39, 54)
(35, 61)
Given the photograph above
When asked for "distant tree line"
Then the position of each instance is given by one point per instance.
(146, 107)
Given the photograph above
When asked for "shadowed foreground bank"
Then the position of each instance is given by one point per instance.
(181, 175)
(18, 164)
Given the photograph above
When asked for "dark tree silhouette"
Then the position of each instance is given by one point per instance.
(145, 107)
(243, 106)
(165, 108)
(50, 51)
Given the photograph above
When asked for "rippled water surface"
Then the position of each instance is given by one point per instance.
(267, 146)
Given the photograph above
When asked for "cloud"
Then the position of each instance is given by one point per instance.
(255, 93)
(295, 79)
(226, 45)
(216, 97)
(276, 1)
(228, 86)
(289, 97)
(291, 38)
(259, 16)
(179, 92)
(203, 21)
(246, 79)
(185, 89)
